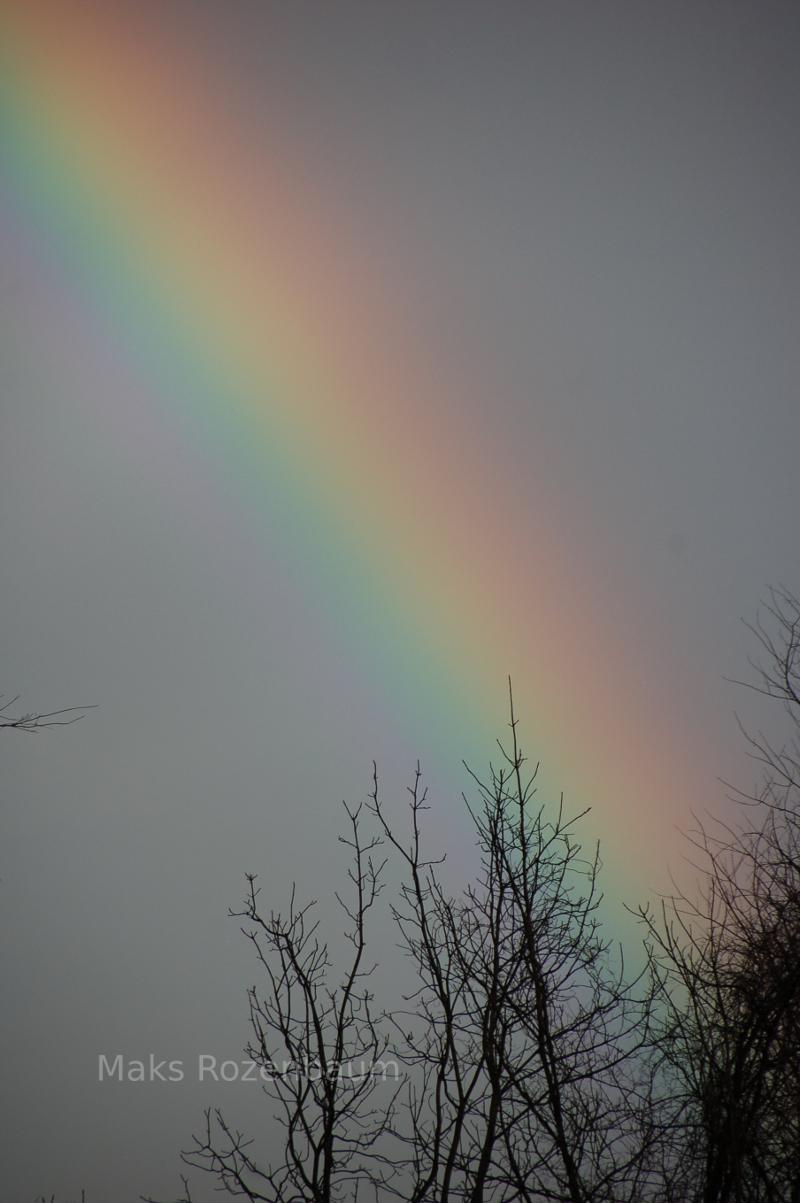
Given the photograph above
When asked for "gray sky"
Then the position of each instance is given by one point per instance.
(595, 206)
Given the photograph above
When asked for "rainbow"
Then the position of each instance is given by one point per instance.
(245, 302)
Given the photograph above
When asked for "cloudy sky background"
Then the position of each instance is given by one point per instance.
(586, 216)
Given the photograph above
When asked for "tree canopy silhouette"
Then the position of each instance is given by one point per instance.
(531, 1064)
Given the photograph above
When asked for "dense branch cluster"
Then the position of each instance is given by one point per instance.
(729, 966)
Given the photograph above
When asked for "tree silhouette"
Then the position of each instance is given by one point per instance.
(728, 960)
(535, 1067)
(527, 1071)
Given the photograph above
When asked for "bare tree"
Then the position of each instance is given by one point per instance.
(316, 1043)
(526, 1050)
(728, 959)
(524, 1041)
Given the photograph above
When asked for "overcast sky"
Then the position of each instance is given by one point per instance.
(595, 207)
